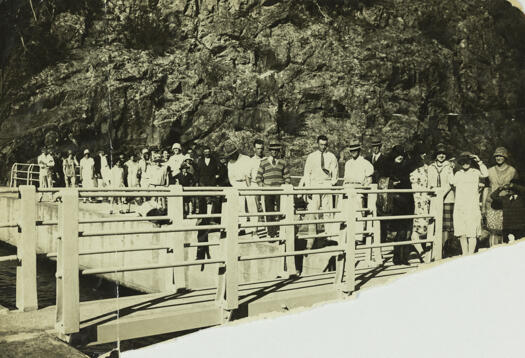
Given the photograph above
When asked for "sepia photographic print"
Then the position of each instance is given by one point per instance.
(254, 178)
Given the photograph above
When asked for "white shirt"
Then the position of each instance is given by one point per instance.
(104, 167)
(375, 157)
(45, 161)
(358, 171)
(87, 168)
(445, 173)
(314, 175)
(174, 163)
(156, 175)
(256, 161)
(239, 170)
(117, 177)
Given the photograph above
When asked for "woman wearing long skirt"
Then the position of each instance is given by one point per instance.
(499, 175)
(467, 211)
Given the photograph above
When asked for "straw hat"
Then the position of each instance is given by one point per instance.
(176, 146)
(230, 148)
(274, 145)
(86, 151)
(375, 142)
(354, 145)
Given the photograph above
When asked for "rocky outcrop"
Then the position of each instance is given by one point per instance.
(147, 72)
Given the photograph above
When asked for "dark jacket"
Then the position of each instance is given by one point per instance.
(379, 167)
(206, 173)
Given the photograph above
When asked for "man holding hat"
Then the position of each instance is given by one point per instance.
(440, 174)
(273, 172)
(358, 170)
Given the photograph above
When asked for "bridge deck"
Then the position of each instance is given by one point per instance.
(152, 314)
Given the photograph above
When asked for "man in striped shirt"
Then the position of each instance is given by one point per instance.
(273, 172)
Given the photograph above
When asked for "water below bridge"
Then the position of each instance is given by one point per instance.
(91, 288)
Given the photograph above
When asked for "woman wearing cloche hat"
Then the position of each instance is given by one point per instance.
(499, 175)
(467, 213)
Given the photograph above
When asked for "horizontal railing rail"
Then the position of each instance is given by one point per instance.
(356, 229)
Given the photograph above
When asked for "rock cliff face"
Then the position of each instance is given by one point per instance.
(78, 74)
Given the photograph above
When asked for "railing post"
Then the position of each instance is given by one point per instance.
(288, 231)
(26, 293)
(232, 250)
(376, 225)
(350, 214)
(176, 215)
(437, 212)
(67, 282)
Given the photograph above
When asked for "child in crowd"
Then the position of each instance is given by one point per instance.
(185, 178)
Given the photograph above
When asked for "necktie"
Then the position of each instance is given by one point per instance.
(273, 162)
(326, 171)
(439, 169)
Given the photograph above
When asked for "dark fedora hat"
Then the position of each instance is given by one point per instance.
(354, 145)
(375, 141)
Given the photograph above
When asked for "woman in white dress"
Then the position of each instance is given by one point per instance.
(467, 211)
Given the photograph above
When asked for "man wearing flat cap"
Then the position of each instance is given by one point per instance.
(358, 170)
(273, 171)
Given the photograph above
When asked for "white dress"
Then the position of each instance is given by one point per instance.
(87, 168)
(467, 212)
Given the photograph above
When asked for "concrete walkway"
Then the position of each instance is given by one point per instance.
(29, 334)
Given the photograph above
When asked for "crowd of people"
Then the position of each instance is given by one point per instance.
(476, 199)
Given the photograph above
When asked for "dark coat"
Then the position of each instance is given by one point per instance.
(379, 167)
(402, 203)
(206, 173)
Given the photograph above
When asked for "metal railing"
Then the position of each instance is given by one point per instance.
(29, 174)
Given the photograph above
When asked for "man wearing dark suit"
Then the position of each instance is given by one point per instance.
(377, 159)
(207, 172)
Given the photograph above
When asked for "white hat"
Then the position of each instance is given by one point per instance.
(86, 151)
(145, 150)
(176, 145)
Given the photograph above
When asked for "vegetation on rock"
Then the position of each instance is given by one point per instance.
(77, 74)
